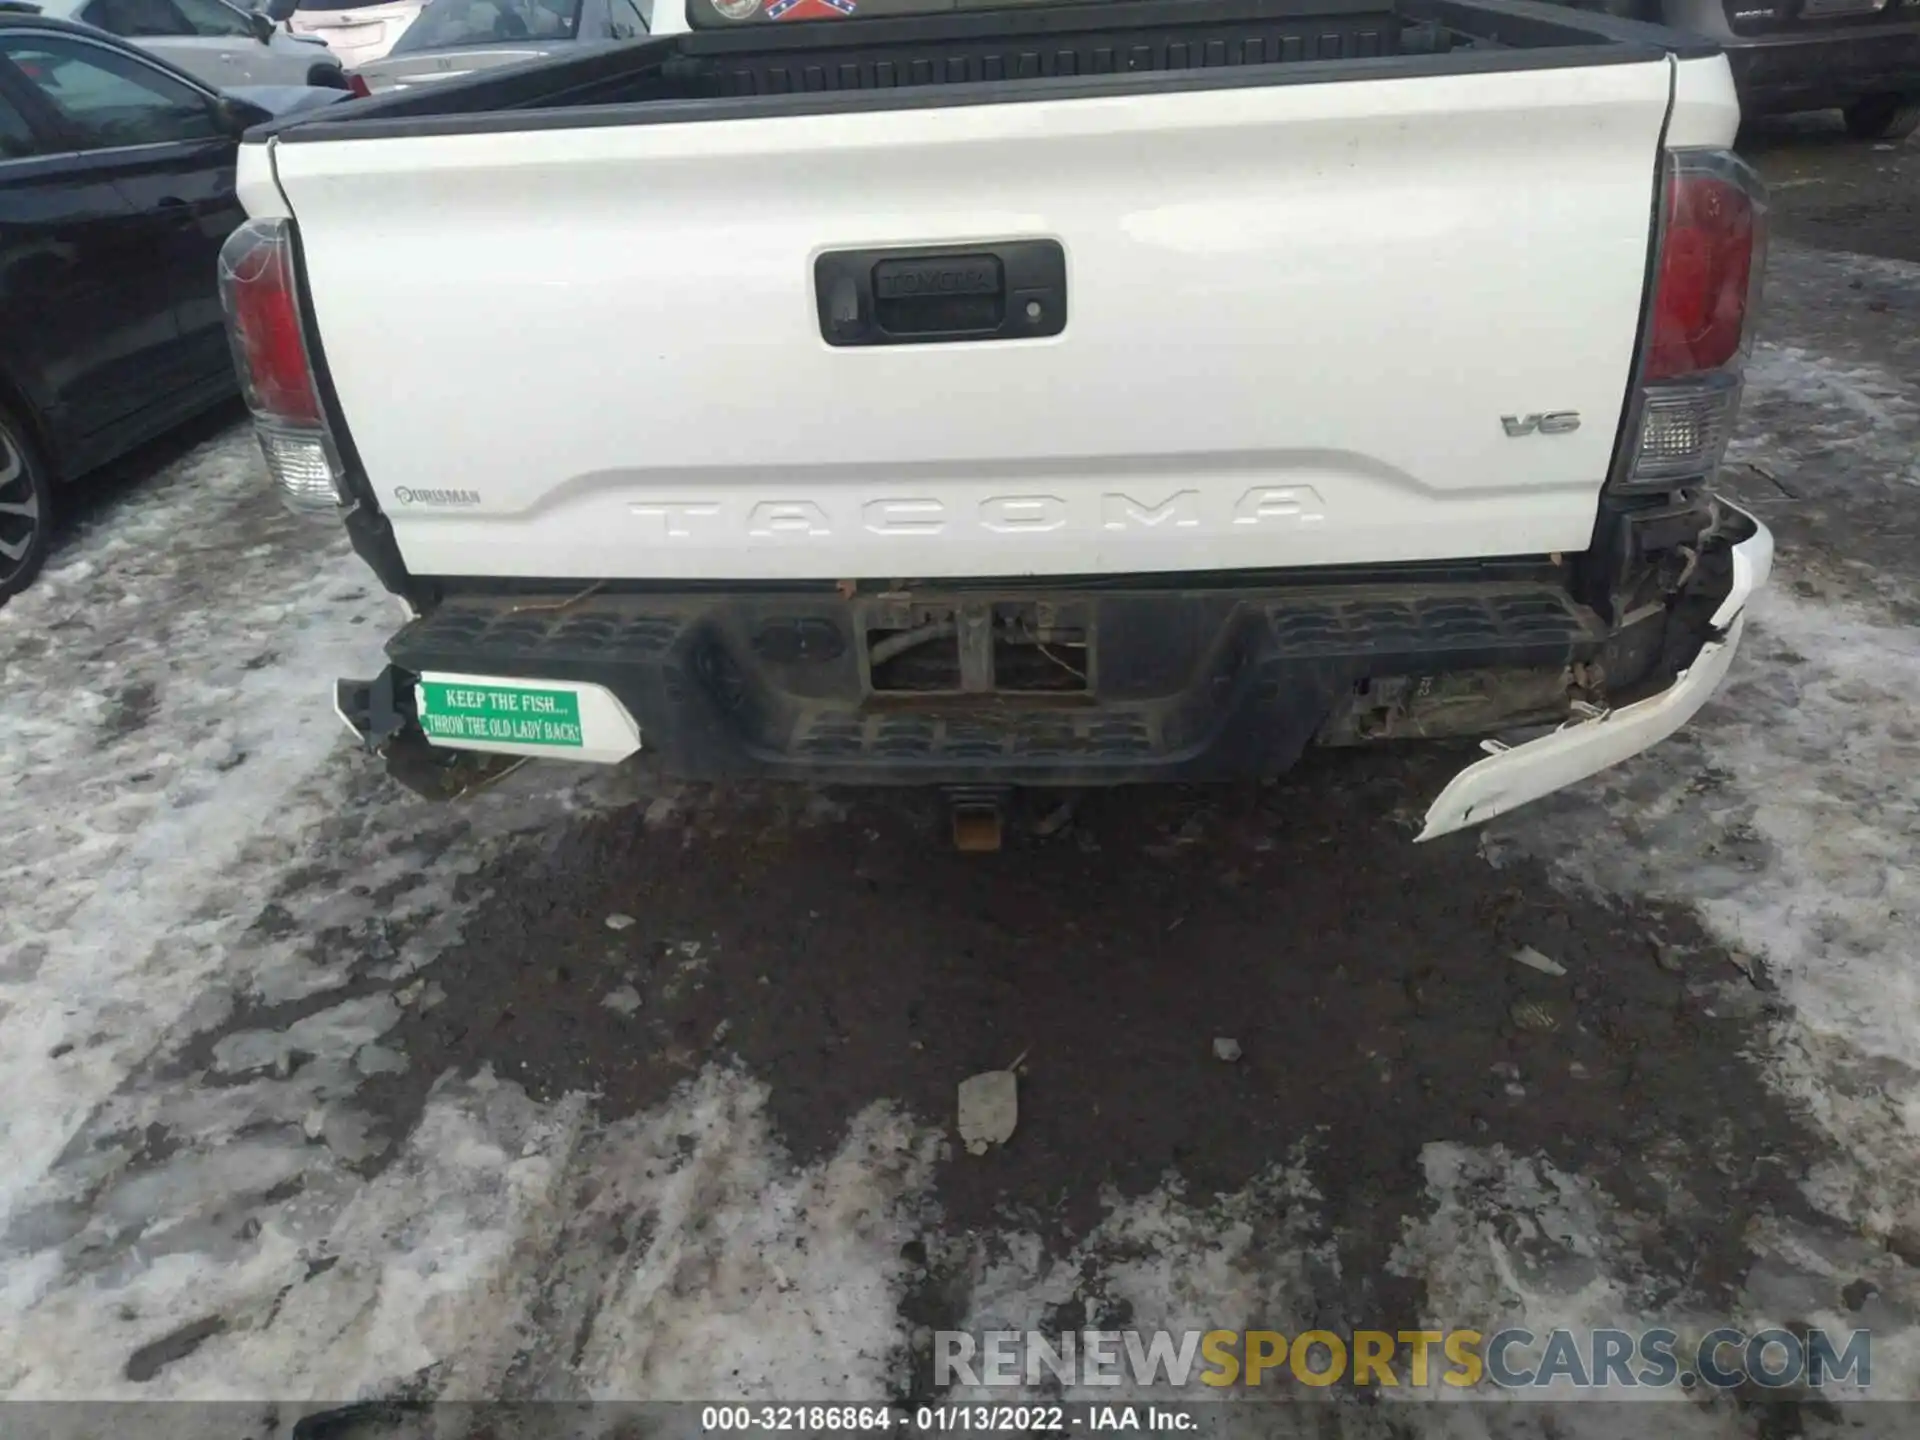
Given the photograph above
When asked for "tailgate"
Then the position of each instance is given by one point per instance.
(1309, 324)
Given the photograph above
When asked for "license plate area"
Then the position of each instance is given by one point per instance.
(977, 647)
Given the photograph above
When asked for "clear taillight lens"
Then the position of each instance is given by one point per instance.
(1684, 429)
(276, 374)
(301, 466)
(1699, 325)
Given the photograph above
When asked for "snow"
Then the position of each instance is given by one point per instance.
(514, 1246)
(149, 801)
(428, 1269)
(1847, 394)
(1259, 1258)
(1512, 1242)
(188, 831)
(191, 838)
(754, 1278)
(1826, 441)
(1788, 814)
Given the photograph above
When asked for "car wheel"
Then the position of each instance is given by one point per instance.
(26, 507)
(1883, 117)
(328, 77)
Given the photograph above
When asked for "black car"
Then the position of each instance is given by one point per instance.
(116, 192)
(1861, 57)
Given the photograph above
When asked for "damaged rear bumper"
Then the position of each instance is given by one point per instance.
(1110, 681)
(1513, 775)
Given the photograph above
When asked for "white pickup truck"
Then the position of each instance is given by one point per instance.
(1041, 394)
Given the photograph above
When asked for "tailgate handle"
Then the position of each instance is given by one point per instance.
(927, 295)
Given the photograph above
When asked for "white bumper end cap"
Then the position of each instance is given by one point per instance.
(1512, 777)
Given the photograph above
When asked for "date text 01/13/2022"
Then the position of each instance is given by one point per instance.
(939, 1419)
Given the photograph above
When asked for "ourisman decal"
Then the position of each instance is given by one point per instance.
(406, 496)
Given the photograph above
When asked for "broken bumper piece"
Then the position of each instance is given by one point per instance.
(1512, 776)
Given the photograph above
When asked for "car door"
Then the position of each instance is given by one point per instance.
(165, 149)
(255, 61)
(209, 41)
(86, 325)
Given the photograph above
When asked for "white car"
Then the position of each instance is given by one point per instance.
(355, 33)
(453, 38)
(1050, 394)
(211, 40)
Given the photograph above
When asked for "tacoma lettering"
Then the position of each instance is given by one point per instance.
(1114, 510)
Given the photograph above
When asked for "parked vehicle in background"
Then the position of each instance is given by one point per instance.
(356, 33)
(116, 191)
(1861, 57)
(1056, 395)
(452, 38)
(211, 40)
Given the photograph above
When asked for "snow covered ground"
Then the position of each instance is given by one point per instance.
(215, 915)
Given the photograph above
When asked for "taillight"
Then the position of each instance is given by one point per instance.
(357, 85)
(1699, 323)
(257, 288)
(1709, 246)
(263, 321)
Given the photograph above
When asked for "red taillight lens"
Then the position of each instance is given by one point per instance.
(1711, 250)
(257, 287)
(263, 321)
(357, 85)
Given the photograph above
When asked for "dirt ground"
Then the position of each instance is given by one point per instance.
(844, 951)
(1835, 193)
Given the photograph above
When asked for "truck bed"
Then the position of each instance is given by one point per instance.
(1011, 54)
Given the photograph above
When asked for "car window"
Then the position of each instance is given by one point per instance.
(456, 24)
(624, 20)
(137, 18)
(58, 9)
(211, 18)
(16, 136)
(109, 99)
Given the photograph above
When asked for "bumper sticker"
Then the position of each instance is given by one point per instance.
(505, 715)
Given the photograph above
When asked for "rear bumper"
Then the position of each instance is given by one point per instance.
(1511, 776)
(1806, 72)
(1187, 685)
(1107, 683)
(360, 45)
